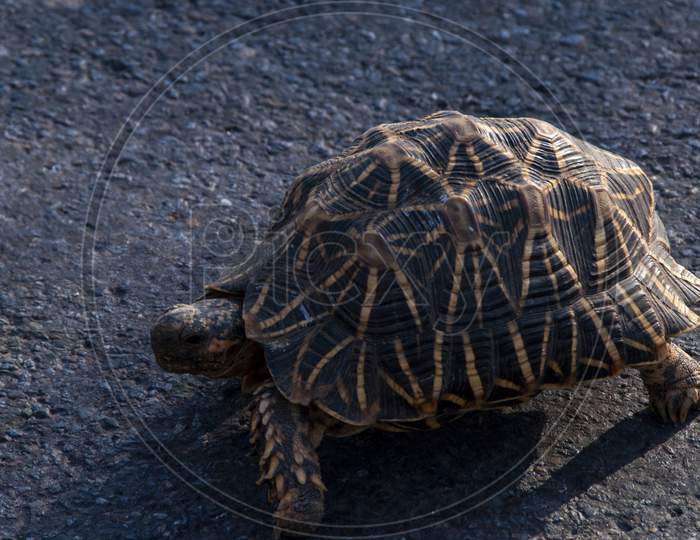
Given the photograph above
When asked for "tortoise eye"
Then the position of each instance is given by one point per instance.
(195, 339)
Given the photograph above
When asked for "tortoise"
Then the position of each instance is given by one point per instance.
(435, 267)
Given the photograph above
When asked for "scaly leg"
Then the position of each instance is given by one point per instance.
(286, 438)
(673, 385)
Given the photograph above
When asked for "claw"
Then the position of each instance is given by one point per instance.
(685, 408)
(673, 408)
(659, 407)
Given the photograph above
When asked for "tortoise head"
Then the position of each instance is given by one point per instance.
(206, 337)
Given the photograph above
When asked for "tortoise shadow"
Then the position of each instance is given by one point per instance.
(626, 441)
(417, 479)
(484, 460)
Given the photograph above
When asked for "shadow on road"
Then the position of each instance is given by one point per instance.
(625, 442)
(373, 478)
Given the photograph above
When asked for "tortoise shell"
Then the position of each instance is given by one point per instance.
(460, 263)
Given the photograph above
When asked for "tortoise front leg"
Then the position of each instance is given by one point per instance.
(673, 385)
(286, 438)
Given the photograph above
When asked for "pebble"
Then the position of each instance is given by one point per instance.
(573, 40)
(40, 411)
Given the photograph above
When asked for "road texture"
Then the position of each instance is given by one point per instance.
(97, 442)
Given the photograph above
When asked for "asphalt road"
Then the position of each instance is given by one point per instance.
(124, 189)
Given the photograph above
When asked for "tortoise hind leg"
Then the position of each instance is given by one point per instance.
(673, 385)
(286, 438)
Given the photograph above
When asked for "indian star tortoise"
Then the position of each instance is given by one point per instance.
(439, 266)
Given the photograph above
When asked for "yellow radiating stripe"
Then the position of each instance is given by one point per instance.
(477, 287)
(296, 325)
(368, 302)
(406, 368)
(351, 282)
(497, 274)
(556, 368)
(394, 187)
(527, 255)
(439, 262)
(518, 130)
(623, 245)
(609, 344)
(261, 298)
(599, 246)
(451, 161)
(474, 158)
(562, 164)
(342, 390)
(553, 279)
(593, 362)
(316, 371)
(363, 175)
(347, 215)
(300, 355)
(427, 237)
(561, 259)
(627, 300)
(510, 385)
(529, 158)
(629, 196)
(520, 351)
(437, 361)
(498, 148)
(286, 310)
(508, 205)
(372, 192)
(470, 366)
(360, 385)
(574, 343)
(454, 292)
(409, 252)
(518, 228)
(396, 387)
(424, 168)
(485, 220)
(636, 345)
(407, 291)
(562, 215)
(453, 398)
(545, 342)
(303, 249)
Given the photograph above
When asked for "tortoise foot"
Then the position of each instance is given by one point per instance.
(299, 512)
(673, 385)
